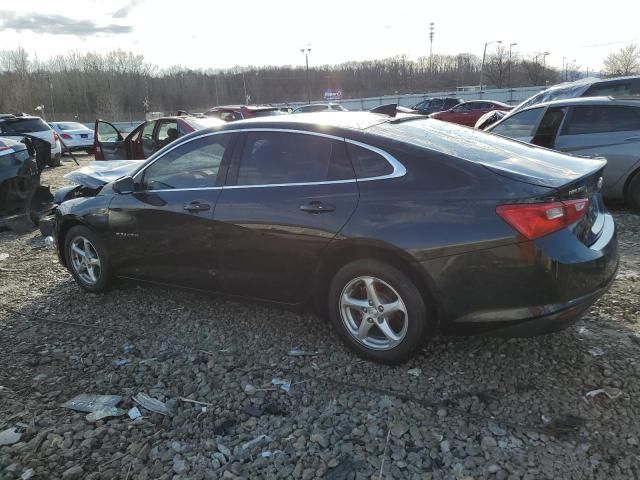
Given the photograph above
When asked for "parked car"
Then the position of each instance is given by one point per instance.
(395, 227)
(597, 126)
(489, 118)
(74, 135)
(14, 125)
(468, 113)
(147, 138)
(432, 105)
(320, 107)
(230, 113)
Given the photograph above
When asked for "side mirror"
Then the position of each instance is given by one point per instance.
(124, 185)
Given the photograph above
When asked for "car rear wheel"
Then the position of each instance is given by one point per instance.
(633, 192)
(379, 312)
(87, 259)
(55, 160)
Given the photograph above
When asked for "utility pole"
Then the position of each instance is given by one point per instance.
(544, 63)
(565, 69)
(53, 110)
(509, 74)
(431, 34)
(306, 51)
(244, 86)
(484, 54)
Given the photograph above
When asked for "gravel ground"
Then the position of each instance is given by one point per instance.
(465, 408)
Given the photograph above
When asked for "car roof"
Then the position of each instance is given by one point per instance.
(252, 108)
(586, 101)
(346, 120)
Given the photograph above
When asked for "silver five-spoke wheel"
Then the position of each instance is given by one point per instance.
(373, 313)
(85, 260)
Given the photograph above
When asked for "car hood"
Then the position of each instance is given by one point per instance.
(98, 174)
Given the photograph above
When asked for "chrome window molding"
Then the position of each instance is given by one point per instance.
(399, 169)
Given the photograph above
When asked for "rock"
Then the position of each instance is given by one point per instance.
(73, 473)
(319, 439)
(488, 443)
(250, 390)
(9, 436)
(497, 430)
(445, 446)
(179, 465)
(27, 474)
(399, 429)
(442, 412)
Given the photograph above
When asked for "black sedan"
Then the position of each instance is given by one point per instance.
(396, 228)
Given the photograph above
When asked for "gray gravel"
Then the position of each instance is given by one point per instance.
(470, 408)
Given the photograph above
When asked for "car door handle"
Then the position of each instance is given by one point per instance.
(197, 207)
(317, 207)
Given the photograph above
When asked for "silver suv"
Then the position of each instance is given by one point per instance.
(590, 127)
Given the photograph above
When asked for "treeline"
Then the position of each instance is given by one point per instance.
(122, 85)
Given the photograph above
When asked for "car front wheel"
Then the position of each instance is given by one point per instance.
(379, 312)
(87, 259)
(633, 192)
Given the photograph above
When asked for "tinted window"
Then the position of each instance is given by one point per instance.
(519, 125)
(625, 88)
(276, 158)
(268, 113)
(367, 163)
(167, 132)
(451, 102)
(599, 119)
(463, 107)
(192, 165)
(25, 125)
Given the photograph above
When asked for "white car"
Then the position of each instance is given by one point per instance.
(75, 136)
(13, 126)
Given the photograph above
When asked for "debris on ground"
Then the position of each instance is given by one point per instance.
(121, 363)
(416, 372)
(596, 351)
(134, 413)
(151, 404)
(104, 413)
(612, 393)
(259, 440)
(90, 403)
(565, 424)
(299, 352)
(249, 389)
(284, 384)
(9, 436)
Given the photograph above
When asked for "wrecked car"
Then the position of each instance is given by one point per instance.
(21, 195)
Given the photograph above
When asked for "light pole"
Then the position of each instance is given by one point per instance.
(431, 34)
(565, 73)
(509, 74)
(244, 86)
(544, 63)
(306, 51)
(484, 54)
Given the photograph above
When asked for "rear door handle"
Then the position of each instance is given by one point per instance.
(197, 207)
(317, 207)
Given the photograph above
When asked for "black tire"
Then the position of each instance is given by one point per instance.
(55, 160)
(104, 277)
(420, 321)
(633, 192)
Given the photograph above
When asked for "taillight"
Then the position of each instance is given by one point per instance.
(66, 136)
(534, 220)
(55, 136)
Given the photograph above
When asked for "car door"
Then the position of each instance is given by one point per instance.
(108, 142)
(459, 114)
(288, 195)
(610, 131)
(163, 231)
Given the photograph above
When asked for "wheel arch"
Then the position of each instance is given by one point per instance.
(342, 252)
(627, 182)
(66, 225)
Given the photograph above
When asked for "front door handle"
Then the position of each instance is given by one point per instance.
(317, 207)
(197, 207)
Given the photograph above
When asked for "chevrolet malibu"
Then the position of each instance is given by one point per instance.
(395, 228)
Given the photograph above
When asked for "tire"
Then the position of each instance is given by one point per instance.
(633, 192)
(412, 325)
(88, 151)
(102, 274)
(55, 160)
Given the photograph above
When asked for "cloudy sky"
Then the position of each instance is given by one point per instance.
(224, 33)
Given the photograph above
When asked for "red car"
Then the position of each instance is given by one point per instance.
(468, 113)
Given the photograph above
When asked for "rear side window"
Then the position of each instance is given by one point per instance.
(519, 125)
(625, 88)
(25, 125)
(283, 158)
(600, 119)
(368, 163)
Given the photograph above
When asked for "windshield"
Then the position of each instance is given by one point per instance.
(25, 125)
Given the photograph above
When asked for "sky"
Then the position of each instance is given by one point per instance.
(221, 34)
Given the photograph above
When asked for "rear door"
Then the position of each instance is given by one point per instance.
(164, 231)
(610, 131)
(108, 142)
(288, 195)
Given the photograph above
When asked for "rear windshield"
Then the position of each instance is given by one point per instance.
(71, 126)
(24, 125)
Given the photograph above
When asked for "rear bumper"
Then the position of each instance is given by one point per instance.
(524, 289)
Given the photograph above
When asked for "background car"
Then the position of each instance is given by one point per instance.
(320, 107)
(468, 113)
(147, 138)
(230, 113)
(432, 105)
(592, 127)
(394, 227)
(17, 124)
(74, 135)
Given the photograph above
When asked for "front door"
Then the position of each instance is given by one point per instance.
(164, 230)
(108, 143)
(287, 197)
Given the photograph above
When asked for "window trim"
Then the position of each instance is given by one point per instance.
(398, 168)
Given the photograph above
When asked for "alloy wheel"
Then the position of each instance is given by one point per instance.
(85, 260)
(373, 313)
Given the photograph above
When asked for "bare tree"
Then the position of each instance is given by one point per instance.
(497, 67)
(625, 61)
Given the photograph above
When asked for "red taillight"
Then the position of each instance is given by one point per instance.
(534, 220)
(55, 136)
(66, 136)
